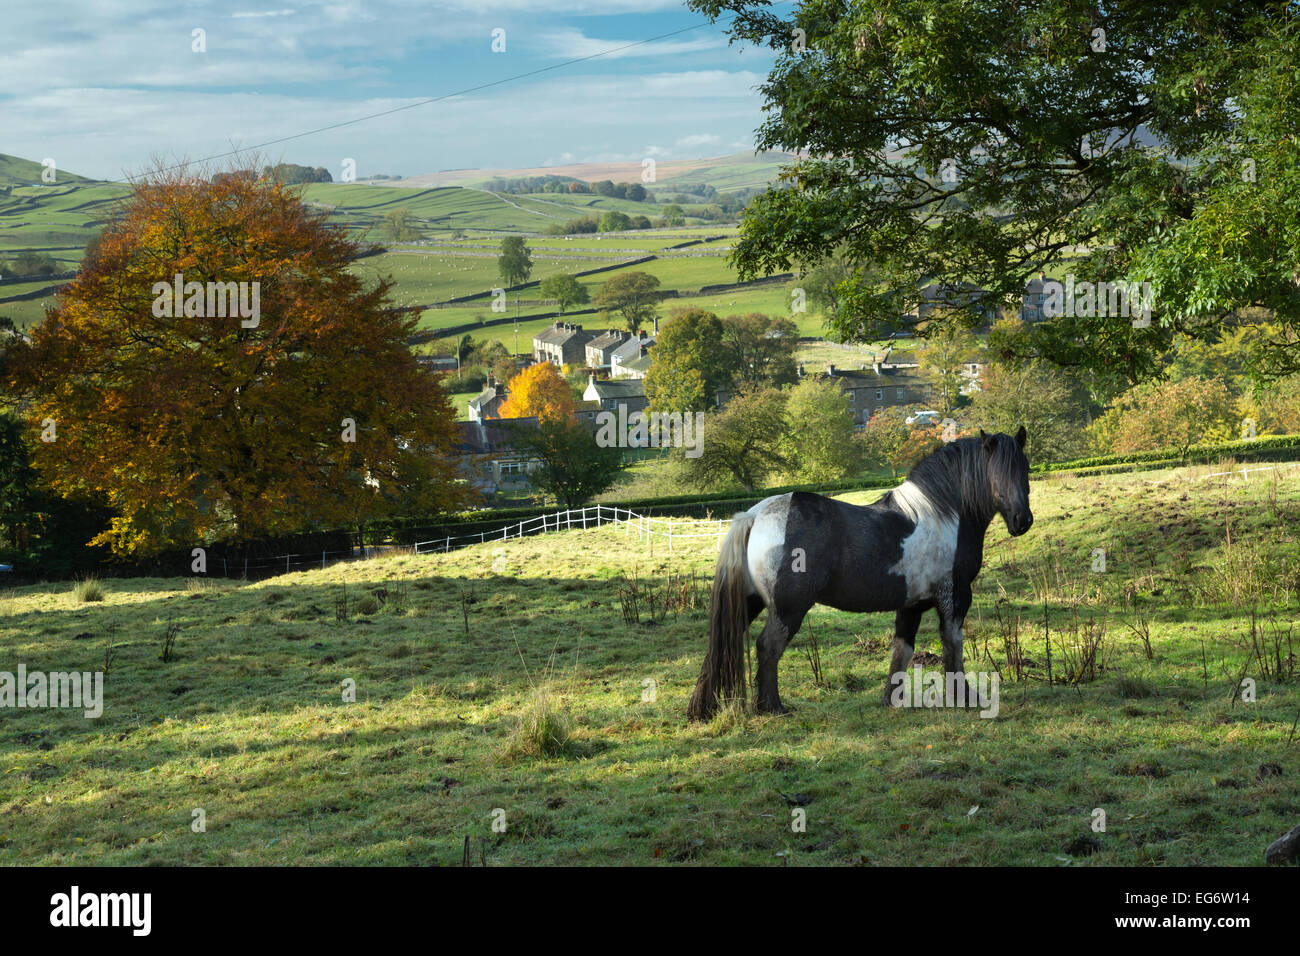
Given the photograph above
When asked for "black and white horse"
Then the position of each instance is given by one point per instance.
(919, 547)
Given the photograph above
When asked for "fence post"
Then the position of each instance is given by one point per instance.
(322, 560)
(719, 534)
(446, 547)
(670, 535)
(286, 563)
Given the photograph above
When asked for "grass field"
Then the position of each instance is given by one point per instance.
(61, 219)
(248, 722)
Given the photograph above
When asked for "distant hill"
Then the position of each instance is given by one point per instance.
(738, 171)
(16, 171)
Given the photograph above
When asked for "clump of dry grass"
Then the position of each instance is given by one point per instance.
(544, 728)
(88, 589)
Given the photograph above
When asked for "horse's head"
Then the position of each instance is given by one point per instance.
(1008, 471)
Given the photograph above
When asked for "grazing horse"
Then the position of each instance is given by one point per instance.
(918, 547)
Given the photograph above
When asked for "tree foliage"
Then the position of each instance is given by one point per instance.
(515, 262)
(1135, 142)
(1039, 396)
(632, 294)
(539, 390)
(688, 364)
(574, 468)
(565, 290)
(199, 426)
(822, 443)
(943, 358)
(1153, 415)
(760, 350)
(743, 442)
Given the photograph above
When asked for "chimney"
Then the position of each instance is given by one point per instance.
(801, 369)
(640, 333)
(591, 379)
(577, 328)
(559, 323)
(875, 367)
(830, 368)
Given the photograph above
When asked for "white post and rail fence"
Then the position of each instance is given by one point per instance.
(672, 530)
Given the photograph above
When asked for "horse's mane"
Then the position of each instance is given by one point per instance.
(955, 477)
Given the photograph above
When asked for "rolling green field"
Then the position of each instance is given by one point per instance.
(461, 660)
(59, 220)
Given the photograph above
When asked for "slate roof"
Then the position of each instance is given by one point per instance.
(489, 437)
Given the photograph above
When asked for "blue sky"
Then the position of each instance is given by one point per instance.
(104, 86)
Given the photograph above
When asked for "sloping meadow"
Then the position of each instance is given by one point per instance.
(523, 702)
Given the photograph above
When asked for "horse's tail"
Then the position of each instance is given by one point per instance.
(726, 663)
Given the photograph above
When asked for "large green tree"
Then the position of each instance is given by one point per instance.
(574, 467)
(760, 349)
(823, 444)
(688, 364)
(744, 442)
(515, 262)
(943, 358)
(565, 290)
(947, 140)
(632, 294)
(1038, 395)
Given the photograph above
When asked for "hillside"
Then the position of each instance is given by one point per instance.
(458, 232)
(16, 171)
(726, 172)
(248, 722)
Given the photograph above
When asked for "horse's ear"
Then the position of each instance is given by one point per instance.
(986, 441)
(1021, 437)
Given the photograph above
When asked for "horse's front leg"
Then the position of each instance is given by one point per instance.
(952, 604)
(906, 621)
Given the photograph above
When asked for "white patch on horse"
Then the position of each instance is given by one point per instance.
(767, 543)
(930, 550)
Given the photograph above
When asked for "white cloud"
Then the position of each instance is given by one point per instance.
(571, 44)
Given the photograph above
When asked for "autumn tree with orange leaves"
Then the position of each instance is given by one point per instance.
(539, 390)
(196, 425)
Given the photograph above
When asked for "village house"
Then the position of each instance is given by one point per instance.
(878, 386)
(1031, 304)
(632, 358)
(612, 393)
(489, 460)
(487, 403)
(939, 296)
(600, 350)
(561, 344)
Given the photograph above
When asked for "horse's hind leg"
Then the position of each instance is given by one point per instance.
(906, 621)
(779, 628)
